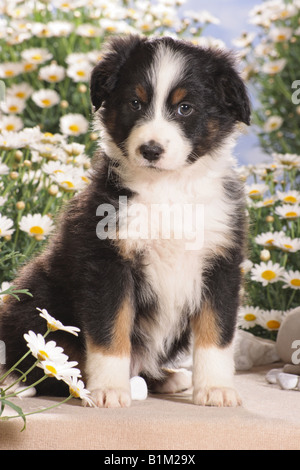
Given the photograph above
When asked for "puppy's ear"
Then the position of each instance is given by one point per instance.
(105, 75)
(234, 94)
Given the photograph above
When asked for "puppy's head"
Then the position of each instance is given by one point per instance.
(166, 103)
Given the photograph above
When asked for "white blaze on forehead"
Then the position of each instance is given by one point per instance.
(165, 74)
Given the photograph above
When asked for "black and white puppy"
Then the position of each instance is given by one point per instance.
(169, 113)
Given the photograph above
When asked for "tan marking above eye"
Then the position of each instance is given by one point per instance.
(178, 95)
(141, 93)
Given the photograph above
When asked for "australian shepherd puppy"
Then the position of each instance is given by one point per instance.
(169, 112)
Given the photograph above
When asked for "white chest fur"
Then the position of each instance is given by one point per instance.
(173, 268)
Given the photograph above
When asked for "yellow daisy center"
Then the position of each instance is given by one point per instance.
(8, 73)
(51, 370)
(275, 68)
(52, 326)
(295, 282)
(268, 201)
(28, 67)
(74, 127)
(268, 275)
(36, 57)
(269, 242)
(74, 392)
(53, 78)
(291, 214)
(254, 191)
(36, 230)
(13, 108)
(291, 199)
(250, 317)
(46, 102)
(42, 355)
(10, 127)
(288, 247)
(69, 184)
(281, 37)
(80, 73)
(20, 94)
(273, 324)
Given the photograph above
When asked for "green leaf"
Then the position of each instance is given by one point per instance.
(16, 408)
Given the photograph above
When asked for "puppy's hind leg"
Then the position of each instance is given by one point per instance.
(174, 381)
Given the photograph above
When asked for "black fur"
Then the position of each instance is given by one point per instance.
(81, 280)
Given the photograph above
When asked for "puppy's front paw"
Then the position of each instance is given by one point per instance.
(216, 396)
(110, 398)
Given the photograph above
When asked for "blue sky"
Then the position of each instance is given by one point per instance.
(233, 16)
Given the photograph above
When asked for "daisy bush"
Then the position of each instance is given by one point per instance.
(271, 59)
(272, 276)
(271, 67)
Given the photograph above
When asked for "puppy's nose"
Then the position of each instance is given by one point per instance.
(151, 151)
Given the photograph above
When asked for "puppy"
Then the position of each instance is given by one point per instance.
(168, 113)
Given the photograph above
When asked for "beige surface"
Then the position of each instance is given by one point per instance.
(268, 419)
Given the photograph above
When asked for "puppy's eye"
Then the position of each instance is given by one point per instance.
(185, 109)
(135, 105)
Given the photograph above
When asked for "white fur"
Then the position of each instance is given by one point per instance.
(213, 371)
(175, 273)
(165, 72)
(108, 379)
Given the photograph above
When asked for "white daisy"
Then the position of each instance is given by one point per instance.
(246, 266)
(52, 73)
(4, 169)
(36, 225)
(10, 69)
(61, 371)
(74, 149)
(78, 390)
(53, 167)
(60, 28)
(287, 159)
(80, 72)
(289, 197)
(20, 90)
(73, 180)
(88, 30)
(271, 319)
(36, 55)
(43, 350)
(269, 201)
(291, 279)
(280, 34)
(288, 211)
(76, 58)
(274, 66)
(3, 288)
(45, 98)
(54, 325)
(11, 123)
(248, 316)
(273, 123)
(244, 40)
(255, 191)
(73, 124)
(268, 239)
(13, 105)
(267, 273)
(6, 225)
(290, 245)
